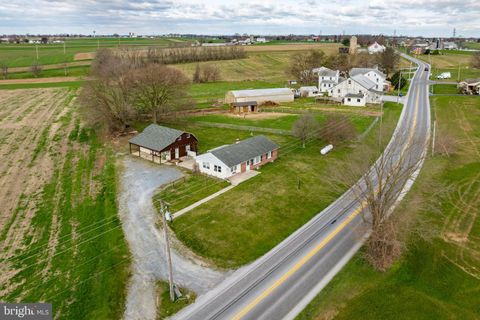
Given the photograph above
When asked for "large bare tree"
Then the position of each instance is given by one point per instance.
(36, 69)
(302, 65)
(389, 60)
(305, 127)
(377, 193)
(337, 128)
(159, 89)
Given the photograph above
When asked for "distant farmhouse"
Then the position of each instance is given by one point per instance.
(226, 161)
(327, 78)
(161, 144)
(364, 85)
(470, 86)
(259, 95)
(375, 48)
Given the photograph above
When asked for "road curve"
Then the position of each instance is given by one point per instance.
(282, 282)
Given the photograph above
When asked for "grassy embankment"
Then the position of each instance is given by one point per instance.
(437, 279)
(450, 61)
(256, 215)
(72, 253)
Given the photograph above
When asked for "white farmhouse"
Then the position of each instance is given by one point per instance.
(376, 48)
(358, 84)
(226, 161)
(373, 74)
(327, 78)
(355, 100)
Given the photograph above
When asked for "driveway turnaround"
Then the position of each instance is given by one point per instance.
(138, 183)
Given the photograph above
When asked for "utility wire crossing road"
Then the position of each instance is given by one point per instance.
(282, 282)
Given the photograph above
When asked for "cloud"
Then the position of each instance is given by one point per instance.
(413, 17)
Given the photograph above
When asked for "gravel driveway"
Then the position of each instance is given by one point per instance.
(139, 181)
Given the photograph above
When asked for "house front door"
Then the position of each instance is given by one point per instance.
(177, 153)
(248, 165)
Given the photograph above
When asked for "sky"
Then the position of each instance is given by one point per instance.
(431, 18)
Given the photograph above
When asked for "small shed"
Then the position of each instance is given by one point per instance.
(355, 100)
(244, 107)
(162, 144)
(309, 91)
(259, 95)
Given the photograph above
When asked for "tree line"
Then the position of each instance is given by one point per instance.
(194, 54)
(127, 87)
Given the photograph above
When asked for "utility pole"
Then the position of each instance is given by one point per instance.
(36, 49)
(64, 48)
(458, 78)
(164, 212)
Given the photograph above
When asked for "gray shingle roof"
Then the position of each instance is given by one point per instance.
(354, 95)
(356, 71)
(156, 137)
(324, 71)
(244, 150)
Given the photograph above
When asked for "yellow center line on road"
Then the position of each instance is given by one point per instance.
(325, 241)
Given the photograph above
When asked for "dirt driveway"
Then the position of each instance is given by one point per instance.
(139, 181)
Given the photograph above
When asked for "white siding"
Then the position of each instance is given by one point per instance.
(351, 86)
(355, 102)
(212, 161)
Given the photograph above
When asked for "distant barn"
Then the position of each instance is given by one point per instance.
(259, 95)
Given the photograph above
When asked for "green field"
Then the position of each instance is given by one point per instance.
(437, 278)
(230, 222)
(166, 308)
(23, 55)
(445, 89)
(76, 71)
(177, 194)
(465, 73)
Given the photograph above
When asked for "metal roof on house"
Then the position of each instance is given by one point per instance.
(306, 88)
(246, 103)
(364, 81)
(356, 71)
(324, 71)
(244, 150)
(261, 92)
(155, 137)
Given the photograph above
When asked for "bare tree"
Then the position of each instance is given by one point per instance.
(159, 89)
(36, 69)
(389, 60)
(476, 60)
(197, 74)
(206, 73)
(305, 127)
(4, 69)
(302, 65)
(377, 192)
(364, 60)
(337, 128)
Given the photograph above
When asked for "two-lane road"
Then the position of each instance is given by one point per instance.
(282, 282)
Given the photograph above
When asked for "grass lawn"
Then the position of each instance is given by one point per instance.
(436, 279)
(77, 71)
(177, 194)
(167, 308)
(447, 60)
(466, 72)
(256, 215)
(445, 89)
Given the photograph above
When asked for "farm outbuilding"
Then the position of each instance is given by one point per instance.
(259, 95)
(244, 107)
(162, 144)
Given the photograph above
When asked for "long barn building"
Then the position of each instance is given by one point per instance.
(259, 95)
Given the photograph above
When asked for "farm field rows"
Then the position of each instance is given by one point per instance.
(438, 276)
(60, 238)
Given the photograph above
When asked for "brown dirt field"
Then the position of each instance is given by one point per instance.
(259, 115)
(41, 80)
(27, 115)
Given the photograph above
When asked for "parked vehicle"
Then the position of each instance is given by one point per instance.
(444, 75)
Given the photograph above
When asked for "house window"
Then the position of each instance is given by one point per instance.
(233, 169)
(217, 168)
(338, 90)
(358, 100)
(269, 154)
(250, 161)
(349, 81)
(257, 160)
(359, 91)
(348, 99)
(206, 165)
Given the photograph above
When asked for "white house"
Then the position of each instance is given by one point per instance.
(373, 74)
(309, 91)
(259, 95)
(327, 78)
(447, 45)
(226, 161)
(375, 48)
(355, 100)
(358, 84)
(261, 40)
